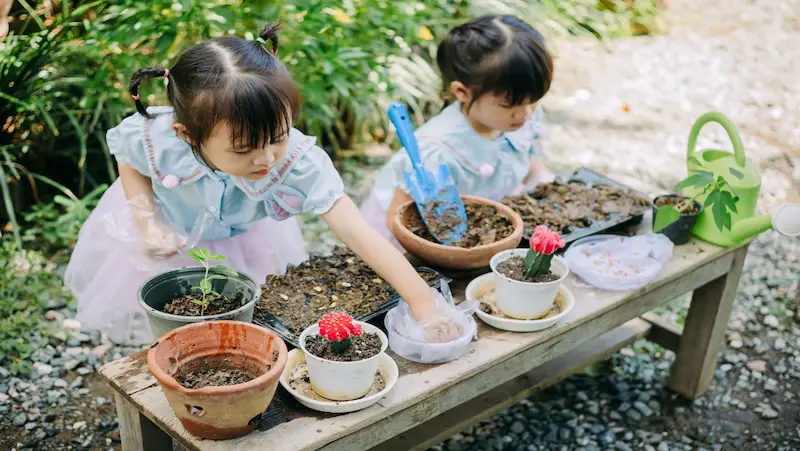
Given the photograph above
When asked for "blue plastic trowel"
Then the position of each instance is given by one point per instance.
(435, 193)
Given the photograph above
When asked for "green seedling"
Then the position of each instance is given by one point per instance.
(204, 257)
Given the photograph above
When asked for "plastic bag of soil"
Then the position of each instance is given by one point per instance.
(619, 263)
(408, 338)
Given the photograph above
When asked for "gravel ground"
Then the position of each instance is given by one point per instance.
(624, 108)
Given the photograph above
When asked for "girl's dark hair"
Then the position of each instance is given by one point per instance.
(498, 55)
(229, 80)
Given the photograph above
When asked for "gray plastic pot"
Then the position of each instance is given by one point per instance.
(156, 292)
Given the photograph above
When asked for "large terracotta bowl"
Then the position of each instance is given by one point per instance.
(219, 412)
(452, 257)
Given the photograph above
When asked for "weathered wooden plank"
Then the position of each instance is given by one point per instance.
(665, 333)
(463, 416)
(706, 322)
(137, 432)
(130, 374)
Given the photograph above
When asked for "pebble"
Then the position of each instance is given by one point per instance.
(771, 321)
(79, 425)
(643, 408)
(42, 369)
(71, 324)
(769, 414)
(663, 447)
(20, 419)
(78, 382)
(736, 344)
(757, 365)
(72, 364)
(31, 426)
(780, 344)
(517, 427)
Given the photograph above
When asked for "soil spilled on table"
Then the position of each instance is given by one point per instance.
(566, 206)
(674, 201)
(484, 225)
(362, 347)
(514, 268)
(341, 282)
(191, 305)
(210, 372)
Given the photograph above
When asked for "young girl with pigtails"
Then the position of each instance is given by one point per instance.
(224, 154)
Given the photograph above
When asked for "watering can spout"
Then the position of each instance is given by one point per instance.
(785, 220)
(750, 227)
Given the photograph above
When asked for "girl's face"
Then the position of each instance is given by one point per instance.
(492, 112)
(220, 154)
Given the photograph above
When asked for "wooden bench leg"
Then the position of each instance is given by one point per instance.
(703, 332)
(137, 432)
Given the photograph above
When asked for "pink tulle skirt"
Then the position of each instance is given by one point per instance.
(107, 267)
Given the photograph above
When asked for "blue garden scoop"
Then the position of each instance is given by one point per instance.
(435, 194)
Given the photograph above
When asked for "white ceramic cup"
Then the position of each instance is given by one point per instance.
(342, 381)
(526, 300)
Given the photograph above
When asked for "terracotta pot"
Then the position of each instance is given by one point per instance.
(456, 257)
(221, 412)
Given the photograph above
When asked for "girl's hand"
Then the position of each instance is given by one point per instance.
(158, 240)
(443, 325)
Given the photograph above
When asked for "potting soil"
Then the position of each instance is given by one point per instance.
(202, 372)
(564, 206)
(340, 282)
(362, 347)
(484, 225)
(514, 268)
(190, 305)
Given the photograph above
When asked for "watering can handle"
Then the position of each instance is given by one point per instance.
(733, 134)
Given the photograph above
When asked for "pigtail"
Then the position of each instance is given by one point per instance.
(270, 33)
(140, 76)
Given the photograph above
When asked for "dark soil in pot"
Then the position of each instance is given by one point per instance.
(565, 206)
(679, 231)
(214, 371)
(514, 268)
(191, 305)
(340, 282)
(361, 348)
(484, 225)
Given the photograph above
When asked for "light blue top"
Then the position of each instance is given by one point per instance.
(490, 168)
(304, 181)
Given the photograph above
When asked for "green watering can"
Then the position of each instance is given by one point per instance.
(746, 184)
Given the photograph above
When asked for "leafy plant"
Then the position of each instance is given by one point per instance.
(338, 328)
(544, 243)
(27, 282)
(204, 257)
(721, 199)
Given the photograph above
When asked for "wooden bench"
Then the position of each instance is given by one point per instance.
(431, 402)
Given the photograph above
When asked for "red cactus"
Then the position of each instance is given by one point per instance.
(544, 241)
(338, 328)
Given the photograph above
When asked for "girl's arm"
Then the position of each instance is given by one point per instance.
(138, 190)
(346, 222)
(158, 240)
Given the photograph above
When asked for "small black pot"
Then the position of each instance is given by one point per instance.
(679, 231)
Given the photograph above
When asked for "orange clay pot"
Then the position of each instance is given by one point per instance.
(222, 412)
(450, 256)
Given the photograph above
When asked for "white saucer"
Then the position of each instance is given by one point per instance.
(481, 284)
(387, 368)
